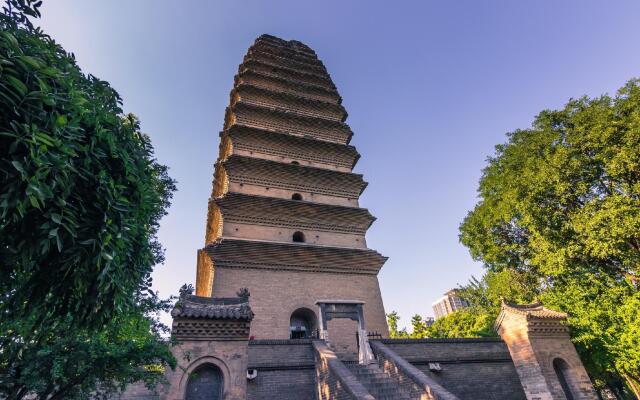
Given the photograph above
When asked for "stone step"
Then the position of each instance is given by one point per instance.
(378, 382)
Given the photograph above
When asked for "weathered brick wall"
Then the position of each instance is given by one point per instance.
(268, 353)
(283, 234)
(515, 333)
(549, 348)
(486, 380)
(283, 384)
(535, 341)
(288, 159)
(449, 349)
(271, 191)
(230, 356)
(286, 370)
(275, 295)
(470, 368)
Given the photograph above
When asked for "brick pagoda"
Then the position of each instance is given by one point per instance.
(284, 219)
(287, 302)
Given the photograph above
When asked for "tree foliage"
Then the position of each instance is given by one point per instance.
(473, 322)
(559, 220)
(69, 362)
(465, 323)
(392, 321)
(419, 327)
(81, 196)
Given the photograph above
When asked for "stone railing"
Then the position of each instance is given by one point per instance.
(334, 379)
(407, 376)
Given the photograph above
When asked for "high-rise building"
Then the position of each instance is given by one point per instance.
(448, 303)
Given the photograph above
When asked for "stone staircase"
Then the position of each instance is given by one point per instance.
(377, 382)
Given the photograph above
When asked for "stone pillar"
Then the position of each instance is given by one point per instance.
(211, 333)
(545, 359)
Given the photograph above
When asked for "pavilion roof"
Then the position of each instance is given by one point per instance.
(534, 310)
(191, 306)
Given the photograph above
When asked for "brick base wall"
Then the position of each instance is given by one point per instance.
(286, 370)
(275, 295)
(286, 384)
(470, 368)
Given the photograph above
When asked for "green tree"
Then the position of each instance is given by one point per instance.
(466, 323)
(392, 321)
(68, 362)
(486, 294)
(419, 328)
(560, 209)
(81, 196)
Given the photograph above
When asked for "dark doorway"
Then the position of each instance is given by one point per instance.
(561, 368)
(296, 196)
(205, 383)
(302, 324)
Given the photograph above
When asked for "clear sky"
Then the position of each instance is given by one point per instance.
(430, 87)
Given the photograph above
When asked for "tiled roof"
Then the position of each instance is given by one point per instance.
(271, 118)
(268, 142)
(191, 306)
(535, 310)
(294, 45)
(272, 211)
(284, 83)
(293, 177)
(299, 70)
(289, 102)
(297, 53)
(241, 253)
(288, 73)
(308, 65)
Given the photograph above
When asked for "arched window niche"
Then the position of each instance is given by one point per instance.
(296, 196)
(563, 373)
(302, 324)
(205, 383)
(298, 237)
(295, 163)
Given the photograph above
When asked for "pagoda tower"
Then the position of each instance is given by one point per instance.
(284, 218)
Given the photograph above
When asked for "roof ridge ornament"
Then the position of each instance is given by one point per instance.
(243, 293)
(185, 290)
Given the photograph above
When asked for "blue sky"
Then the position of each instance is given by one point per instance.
(430, 86)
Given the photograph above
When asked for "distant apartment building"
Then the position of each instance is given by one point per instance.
(448, 303)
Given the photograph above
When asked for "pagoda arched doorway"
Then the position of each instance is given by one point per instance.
(205, 383)
(302, 324)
